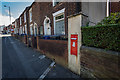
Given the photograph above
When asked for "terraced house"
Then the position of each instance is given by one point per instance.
(44, 25)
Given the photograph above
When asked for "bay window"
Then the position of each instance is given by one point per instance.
(30, 14)
(59, 22)
(31, 29)
(24, 17)
(25, 29)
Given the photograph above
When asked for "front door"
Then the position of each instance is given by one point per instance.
(48, 29)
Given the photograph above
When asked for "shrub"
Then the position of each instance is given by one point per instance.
(104, 36)
(114, 18)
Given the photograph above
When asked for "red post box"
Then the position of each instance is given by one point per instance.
(74, 44)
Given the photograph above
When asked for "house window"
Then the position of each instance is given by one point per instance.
(24, 17)
(59, 22)
(31, 29)
(41, 30)
(21, 30)
(25, 29)
(20, 21)
(55, 2)
(35, 29)
(30, 14)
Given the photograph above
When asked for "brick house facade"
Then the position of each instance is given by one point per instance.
(51, 19)
(46, 17)
(22, 25)
(17, 26)
(26, 24)
(42, 11)
(114, 7)
(21, 19)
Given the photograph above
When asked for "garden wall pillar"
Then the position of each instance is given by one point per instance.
(74, 42)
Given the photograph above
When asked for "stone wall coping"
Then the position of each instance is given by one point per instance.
(80, 13)
(101, 50)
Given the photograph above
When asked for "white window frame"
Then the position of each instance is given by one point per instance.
(26, 29)
(35, 26)
(24, 17)
(59, 19)
(31, 28)
(30, 14)
(21, 30)
(56, 14)
(15, 27)
(53, 2)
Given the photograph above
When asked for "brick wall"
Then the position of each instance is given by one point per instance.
(55, 49)
(42, 9)
(101, 63)
(115, 7)
(22, 19)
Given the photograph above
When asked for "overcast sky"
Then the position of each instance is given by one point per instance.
(18, 6)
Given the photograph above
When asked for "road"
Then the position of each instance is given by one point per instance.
(21, 62)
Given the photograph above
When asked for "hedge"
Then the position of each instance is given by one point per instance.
(106, 37)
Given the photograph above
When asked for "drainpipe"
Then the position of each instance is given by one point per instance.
(108, 7)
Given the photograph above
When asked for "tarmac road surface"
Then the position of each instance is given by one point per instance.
(23, 63)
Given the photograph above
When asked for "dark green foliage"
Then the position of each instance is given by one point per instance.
(114, 18)
(104, 36)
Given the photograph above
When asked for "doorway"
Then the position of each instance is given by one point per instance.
(47, 27)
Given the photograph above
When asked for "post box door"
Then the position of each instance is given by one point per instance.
(74, 44)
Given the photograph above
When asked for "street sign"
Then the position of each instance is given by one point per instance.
(74, 44)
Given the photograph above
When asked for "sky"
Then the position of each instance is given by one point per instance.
(16, 8)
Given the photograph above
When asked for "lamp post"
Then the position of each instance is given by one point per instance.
(9, 12)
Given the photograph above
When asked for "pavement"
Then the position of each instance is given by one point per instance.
(23, 63)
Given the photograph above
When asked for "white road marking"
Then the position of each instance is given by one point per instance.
(42, 57)
(33, 55)
(11, 42)
(46, 71)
